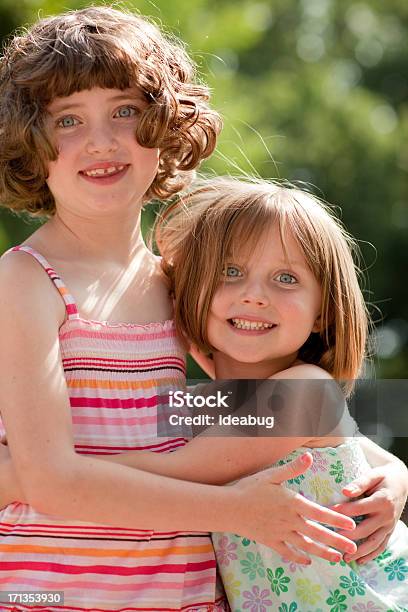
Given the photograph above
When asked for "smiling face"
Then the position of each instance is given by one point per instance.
(100, 168)
(265, 308)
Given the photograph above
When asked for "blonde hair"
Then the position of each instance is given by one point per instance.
(108, 48)
(197, 233)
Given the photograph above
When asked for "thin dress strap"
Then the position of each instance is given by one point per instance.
(70, 305)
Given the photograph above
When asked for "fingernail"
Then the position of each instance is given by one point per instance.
(304, 458)
(351, 489)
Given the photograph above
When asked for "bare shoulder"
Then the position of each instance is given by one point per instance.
(25, 287)
(303, 371)
(160, 302)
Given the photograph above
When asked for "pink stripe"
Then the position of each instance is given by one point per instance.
(165, 359)
(85, 584)
(96, 402)
(91, 420)
(79, 529)
(168, 568)
(125, 448)
(188, 608)
(135, 367)
(115, 335)
(107, 451)
(71, 308)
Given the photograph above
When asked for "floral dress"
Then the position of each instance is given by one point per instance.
(258, 579)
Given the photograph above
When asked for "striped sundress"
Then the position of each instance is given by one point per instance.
(117, 376)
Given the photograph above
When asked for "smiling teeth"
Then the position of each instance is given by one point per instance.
(103, 171)
(244, 324)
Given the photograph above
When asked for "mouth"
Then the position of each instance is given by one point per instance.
(104, 173)
(246, 325)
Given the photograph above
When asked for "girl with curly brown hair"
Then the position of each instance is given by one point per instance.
(100, 112)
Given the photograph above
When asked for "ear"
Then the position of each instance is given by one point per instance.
(317, 326)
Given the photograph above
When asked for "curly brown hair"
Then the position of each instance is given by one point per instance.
(108, 48)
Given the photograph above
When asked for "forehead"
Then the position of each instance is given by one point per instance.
(271, 244)
(94, 97)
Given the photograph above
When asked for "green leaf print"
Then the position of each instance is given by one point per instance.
(336, 600)
(341, 562)
(353, 584)
(253, 565)
(397, 569)
(278, 580)
(292, 607)
(337, 471)
(381, 558)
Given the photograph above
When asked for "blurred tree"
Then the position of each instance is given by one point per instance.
(313, 91)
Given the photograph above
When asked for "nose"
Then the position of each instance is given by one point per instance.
(255, 296)
(101, 140)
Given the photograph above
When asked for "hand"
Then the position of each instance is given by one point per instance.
(9, 487)
(281, 518)
(385, 489)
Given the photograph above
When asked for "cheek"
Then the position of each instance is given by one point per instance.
(221, 302)
(301, 309)
(147, 161)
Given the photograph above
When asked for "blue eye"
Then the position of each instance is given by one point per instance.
(68, 121)
(126, 111)
(286, 278)
(231, 272)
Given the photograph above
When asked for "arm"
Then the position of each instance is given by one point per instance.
(384, 489)
(56, 480)
(36, 413)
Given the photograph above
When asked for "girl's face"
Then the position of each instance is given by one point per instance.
(265, 307)
(100, 165)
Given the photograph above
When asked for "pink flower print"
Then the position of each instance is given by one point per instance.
(225, 551)
(370, 606)
(293, 566)
(369, 575)
(257, 600)
(320, 462)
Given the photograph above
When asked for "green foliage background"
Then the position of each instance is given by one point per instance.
(310, 90)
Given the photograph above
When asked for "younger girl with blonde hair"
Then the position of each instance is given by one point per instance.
(263, 279)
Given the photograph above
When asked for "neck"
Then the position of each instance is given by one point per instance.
(230, 369)
(115, 240)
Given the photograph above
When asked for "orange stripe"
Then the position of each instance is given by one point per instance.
(118, 384)
(96, 552)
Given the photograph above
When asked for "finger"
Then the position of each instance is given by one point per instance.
(311, 510)
(368, 505)
(366, 528)
(374, 554)
(363, 484)
(289, 470)
(327, 536)
(370, 545)
(314, 548)
(289, 554)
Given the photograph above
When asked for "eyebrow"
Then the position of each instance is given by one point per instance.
(281, 262)
(64, 106)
